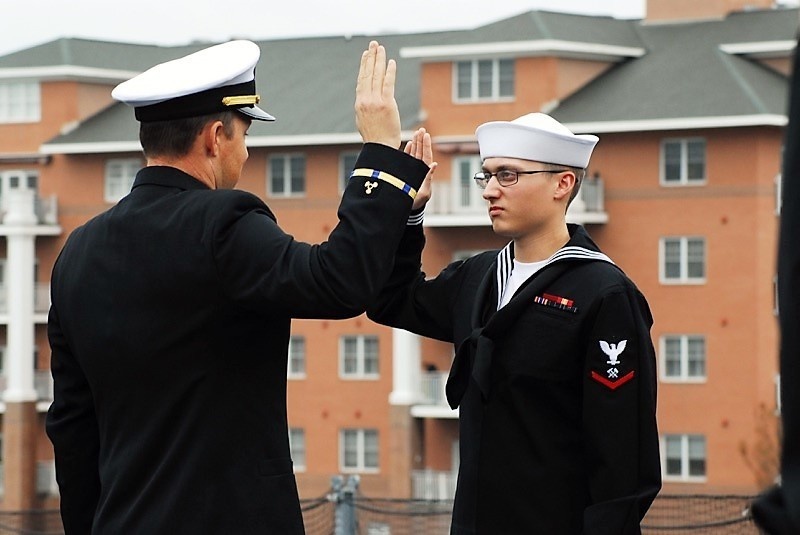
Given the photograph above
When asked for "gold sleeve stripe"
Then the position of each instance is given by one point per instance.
(386, 177)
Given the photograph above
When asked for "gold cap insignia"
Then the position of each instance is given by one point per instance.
(241, 100)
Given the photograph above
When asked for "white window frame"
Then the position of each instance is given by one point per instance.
(297, 448)
(344, 169)
(684, 443)
(378, 528)
(361, 356)
(15, 180)
(20, 102)
(361, 451)
(683, 376)
(297, 353)
(684, 179)
(474, 81)
(778, 193)
(118, 186)
(287, 171)
(465, 188)
(684, 277)
(46, 484)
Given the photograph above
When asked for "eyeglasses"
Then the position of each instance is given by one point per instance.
(507, 177)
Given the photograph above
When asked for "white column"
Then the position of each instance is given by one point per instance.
(406, 362)
(20, 225)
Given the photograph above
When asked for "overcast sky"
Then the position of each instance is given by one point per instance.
(169, 22)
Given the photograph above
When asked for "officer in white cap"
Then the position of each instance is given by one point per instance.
(171, 311)
(554, 372)
(212, 80)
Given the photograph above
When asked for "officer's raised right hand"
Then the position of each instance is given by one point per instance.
(377, 116)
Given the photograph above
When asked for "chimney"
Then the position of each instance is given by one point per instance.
(687, 10)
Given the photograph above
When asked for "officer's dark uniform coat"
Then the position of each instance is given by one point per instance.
(169, 329)
(556, 389)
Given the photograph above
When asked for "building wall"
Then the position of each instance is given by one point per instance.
(674, 10)
(735, 212)
(782, 65)
(539, 81)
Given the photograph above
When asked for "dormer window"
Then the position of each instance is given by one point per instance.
(20, 102)
(484, 80)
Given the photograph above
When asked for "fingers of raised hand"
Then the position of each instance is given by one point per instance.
(426, 148)
(388, 79)
(366, 68)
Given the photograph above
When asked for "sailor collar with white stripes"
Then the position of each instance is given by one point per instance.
(505, 262)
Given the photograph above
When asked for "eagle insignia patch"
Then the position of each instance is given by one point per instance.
(613, 377)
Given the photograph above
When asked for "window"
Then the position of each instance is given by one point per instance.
(358, 450)
(119, 178)
(287, 175)
(775, 302)
(347, 162)
(297, 357)
(359, 357)
(683, 357)
(14, 180)
(684, 457)
(683, 260)
(485, 79)
(297, 447)
(46, 478)
(468, 197)
(778, 193)
(378, 528)
(683, 161)
(20, 102)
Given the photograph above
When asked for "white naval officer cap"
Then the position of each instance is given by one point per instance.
(537, 137)
(212, 80)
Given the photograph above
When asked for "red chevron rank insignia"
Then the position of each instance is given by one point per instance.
(616, 383)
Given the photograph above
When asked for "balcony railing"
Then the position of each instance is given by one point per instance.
(46, 209)
(433, 485)
(432, 388)
(454, 205)
(46, 484)
(41, 298)
(42, 383)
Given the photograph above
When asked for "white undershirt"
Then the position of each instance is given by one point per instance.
(519, 274)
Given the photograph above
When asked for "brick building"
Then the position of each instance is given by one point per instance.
(683, 193)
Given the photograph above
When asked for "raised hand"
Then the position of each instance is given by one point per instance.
(377, 116)
(421, 147)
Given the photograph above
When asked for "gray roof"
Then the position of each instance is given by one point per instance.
(560, 26)
(686, 75)
(308, 83)
(94, 54)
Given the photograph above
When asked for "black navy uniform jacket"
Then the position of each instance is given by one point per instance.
(169, 329)
(557, 389)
